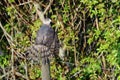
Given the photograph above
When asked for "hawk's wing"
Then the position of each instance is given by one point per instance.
(54, 49)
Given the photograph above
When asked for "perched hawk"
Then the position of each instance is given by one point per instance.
(46, 43)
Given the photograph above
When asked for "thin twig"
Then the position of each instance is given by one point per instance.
(75, 74)
(5, 33)
(21, 75)
(5, 74)
(24, 3)
(9, 38)
(26, 70)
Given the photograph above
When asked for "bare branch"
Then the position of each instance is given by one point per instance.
(5, 74)
(24, 3)
(39, 11)
(21, 75)
(5, 33)
(76, 74)
(51, 1)
(12, 64)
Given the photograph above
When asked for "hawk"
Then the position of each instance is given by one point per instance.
(46, 43)
(48, 39)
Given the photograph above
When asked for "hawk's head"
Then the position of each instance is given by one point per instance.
(47, 21)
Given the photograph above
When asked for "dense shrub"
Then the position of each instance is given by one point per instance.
(89, 31)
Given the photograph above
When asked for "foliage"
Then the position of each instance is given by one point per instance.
(89, 31)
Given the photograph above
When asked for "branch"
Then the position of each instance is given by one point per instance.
(12, 64)
(21, 75)
(8, 37)
(5, 33)
(5, 74)
(76, 74)
(51, 1)
(39, 11)
(24, 3)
